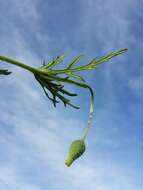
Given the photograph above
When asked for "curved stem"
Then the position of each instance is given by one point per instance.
(90, 117)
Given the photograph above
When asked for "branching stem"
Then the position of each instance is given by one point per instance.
(51, 81)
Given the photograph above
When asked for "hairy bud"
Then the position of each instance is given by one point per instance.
(77, 148)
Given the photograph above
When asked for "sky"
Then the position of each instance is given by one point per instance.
(34, 136)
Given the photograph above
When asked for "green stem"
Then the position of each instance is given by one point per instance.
(17, 63)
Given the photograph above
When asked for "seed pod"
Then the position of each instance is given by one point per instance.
(77, 148)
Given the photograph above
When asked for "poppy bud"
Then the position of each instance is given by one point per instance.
(77, 148)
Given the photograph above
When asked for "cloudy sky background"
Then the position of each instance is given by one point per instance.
(34, 136)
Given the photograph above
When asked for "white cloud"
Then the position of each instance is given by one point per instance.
(136, 84)
(26, 9)
(104, 20)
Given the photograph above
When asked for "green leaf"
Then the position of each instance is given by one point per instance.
(55, 89)
(93, 63)
(4, 72)
(75, 61)
(54, 62)
(76, 76)
(110, 56)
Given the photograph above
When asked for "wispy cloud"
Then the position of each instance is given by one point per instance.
(135, 83)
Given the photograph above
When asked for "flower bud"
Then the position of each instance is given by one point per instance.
(77, 148)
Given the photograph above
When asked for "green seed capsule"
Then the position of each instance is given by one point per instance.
(77, 148)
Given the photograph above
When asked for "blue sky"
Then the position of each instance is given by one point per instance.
(34, 136)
